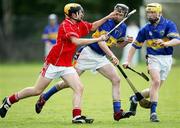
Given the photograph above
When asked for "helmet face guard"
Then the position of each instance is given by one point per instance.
(75, 8)
(122, 8)
(155, 8)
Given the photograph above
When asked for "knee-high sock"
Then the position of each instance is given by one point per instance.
(12, 99)
(153, 107)
(76, 112)
(116, 106)
(49, 93)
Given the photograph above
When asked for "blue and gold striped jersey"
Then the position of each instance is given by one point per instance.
(165, 30)
(117, 36)
(50, 33)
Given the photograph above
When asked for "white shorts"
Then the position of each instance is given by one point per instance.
(162, 63)
(90, 60)
(52, 72)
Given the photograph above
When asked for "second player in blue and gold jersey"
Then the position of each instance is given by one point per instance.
(117, 36)
(50, 33)
(158, 32)
(165, 30)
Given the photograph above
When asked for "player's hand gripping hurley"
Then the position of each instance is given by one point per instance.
(132, 12)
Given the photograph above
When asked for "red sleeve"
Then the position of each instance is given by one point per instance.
(69, 31)
(85, 28)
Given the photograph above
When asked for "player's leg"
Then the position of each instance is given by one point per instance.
(74, 82)
(158, 75)
(56, 88)
(154, 93)
(37, 89)
(45, 96)
(62, 85)
(110, 73)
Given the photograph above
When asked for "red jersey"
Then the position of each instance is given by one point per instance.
(62, 53)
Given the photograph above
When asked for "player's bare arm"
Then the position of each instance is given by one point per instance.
(84, 41)
(108, 52)
(130, 56)
(172, 42)
(98, 23)
(127, 40)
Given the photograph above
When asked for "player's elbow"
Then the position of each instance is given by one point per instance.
(75, 40)
(94, 26)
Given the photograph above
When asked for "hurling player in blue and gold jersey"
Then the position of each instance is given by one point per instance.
(94, 57)
(50, 33)
(156, 34)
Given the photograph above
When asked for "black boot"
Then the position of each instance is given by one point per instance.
(4, 108)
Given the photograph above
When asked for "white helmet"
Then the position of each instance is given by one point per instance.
(122, 7)
(52, 17)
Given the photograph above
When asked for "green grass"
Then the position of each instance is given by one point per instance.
(97, 101)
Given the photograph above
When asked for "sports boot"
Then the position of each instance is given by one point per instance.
(122, 114)
(39, 104)
(82, 119)
(133, 106)
(154, 118)
(4, 108)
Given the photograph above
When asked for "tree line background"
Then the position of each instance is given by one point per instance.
(22, 23)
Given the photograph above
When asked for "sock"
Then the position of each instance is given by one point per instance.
(76, 112)
(153, 107)
(116, 106)
(49, 93)
(12, 99)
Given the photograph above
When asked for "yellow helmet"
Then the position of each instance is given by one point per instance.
(155, 7)
(72, 8)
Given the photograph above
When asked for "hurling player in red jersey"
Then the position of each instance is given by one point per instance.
(94, 57)
(58, 63)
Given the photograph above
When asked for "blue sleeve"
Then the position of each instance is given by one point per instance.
(139, 39)
(45, 30)
(45, 35)
(124, 31)
(123, 35)
(172, 31)
(104, 27)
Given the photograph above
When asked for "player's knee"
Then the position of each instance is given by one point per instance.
(156, 83)
(37, 91)
(116, 80)
(79, 89)
(61, 85)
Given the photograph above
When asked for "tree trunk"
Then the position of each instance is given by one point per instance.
(7, 17)
(7, 29)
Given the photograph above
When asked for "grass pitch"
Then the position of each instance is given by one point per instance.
(97, 102)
